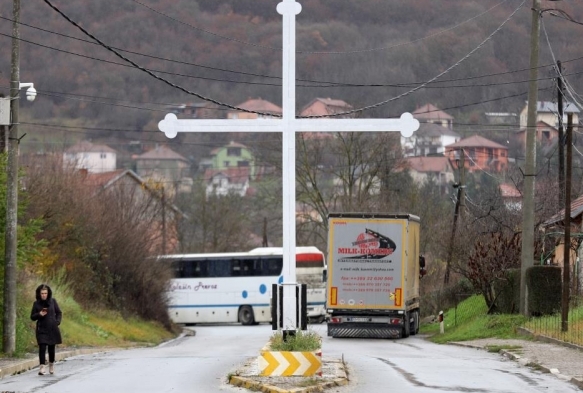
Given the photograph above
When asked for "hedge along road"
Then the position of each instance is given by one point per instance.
(203, 361)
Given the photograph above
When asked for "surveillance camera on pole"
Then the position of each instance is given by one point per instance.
(30, 92)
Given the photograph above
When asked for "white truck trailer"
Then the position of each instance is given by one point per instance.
(373, 275)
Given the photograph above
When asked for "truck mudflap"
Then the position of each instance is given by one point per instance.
(364, 330)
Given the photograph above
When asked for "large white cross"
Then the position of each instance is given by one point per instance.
(288, 125)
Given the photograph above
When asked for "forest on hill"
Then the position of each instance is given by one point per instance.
(364, 52)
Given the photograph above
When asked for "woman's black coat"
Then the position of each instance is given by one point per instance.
(47, 327)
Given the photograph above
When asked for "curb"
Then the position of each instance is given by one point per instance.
(265, 388)
(525, 362)
(29, 364)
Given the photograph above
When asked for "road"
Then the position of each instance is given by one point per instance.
(201, 364)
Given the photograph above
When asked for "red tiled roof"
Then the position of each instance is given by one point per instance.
(576, 210)
(477, 141)
(260, 105)
(430, 111)
(331, 106)
(161, 153)
(103, 178)
(428, 164)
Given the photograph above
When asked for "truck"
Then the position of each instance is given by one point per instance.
(373, 275)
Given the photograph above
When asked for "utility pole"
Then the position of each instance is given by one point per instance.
(527, 252)
(163, 220)
(9, 319)
(459, 208)
(561, 146)
(567, 247)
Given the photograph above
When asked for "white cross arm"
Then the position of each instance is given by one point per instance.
(171, 125)
(406, 124)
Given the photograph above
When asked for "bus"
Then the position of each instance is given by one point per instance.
(310, 267)
(236, 287)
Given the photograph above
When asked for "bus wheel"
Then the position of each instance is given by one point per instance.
(246, 315)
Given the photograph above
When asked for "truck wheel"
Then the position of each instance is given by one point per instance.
(246, 316)
(406, 326)
(415, 323)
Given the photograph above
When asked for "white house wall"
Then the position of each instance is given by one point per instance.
(94, 162)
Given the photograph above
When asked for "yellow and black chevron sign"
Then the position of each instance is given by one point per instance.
(283, 363)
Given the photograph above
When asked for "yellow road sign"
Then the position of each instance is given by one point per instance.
(285, 363)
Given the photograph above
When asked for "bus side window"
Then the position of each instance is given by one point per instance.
(177, 269)
(188, 268)
(220, 268)
(236, 267)
(247, 267)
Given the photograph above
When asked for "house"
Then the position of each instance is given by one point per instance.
(555, 226)
(547, 112)
(545, 134)
(132, 190)
(163, 165)
(429, 113)
(94, 158)
(233, 155)
(511, 196)
(260, 105)
(480, 154)
(325, 107)
(224, 181)
(436, 169)
(429, 139)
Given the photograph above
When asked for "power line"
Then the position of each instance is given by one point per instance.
(312, 83)
(378, 104)
(209, 99)
(327, 52)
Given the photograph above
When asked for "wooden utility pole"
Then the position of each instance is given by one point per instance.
(567, 247)
(459, 208)
(561, 146)
(9, 319)
(527, 253)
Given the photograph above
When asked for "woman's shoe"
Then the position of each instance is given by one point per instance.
(52, 368)
(42, 371)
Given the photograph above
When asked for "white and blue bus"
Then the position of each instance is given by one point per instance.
(235, 287)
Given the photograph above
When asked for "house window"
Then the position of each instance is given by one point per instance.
(490, 154)
(226, 164)
(234, 151)
(102, 155)
(546, 135)
(242, 163)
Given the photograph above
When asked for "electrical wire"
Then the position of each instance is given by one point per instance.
(381, 103)
(312, 83)
(204, 98)
(330, 52)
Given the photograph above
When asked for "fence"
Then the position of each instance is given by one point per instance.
(551, 325)
(458, 307)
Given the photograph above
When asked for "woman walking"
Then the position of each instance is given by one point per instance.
(47, 314)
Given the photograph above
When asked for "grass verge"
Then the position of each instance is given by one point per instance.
(302, 341)
(465, 326)
(85, 328)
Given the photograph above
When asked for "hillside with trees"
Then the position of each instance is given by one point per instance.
(363, 52)
(465, 57)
